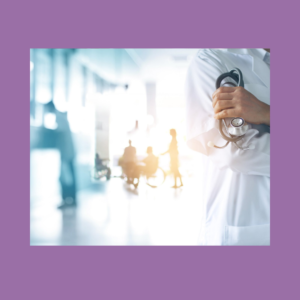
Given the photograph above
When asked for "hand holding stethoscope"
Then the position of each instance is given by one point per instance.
(234, 107)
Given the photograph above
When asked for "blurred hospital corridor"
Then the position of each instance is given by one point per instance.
(109, 163)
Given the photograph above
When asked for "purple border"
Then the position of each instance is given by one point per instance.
(147, 272)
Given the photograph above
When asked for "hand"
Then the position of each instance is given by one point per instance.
(233, 102)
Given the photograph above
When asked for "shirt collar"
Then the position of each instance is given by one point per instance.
(239, 51)
(258, 55)
(259, 52)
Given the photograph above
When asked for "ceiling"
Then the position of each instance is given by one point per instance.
(126, 65)
(156, 63)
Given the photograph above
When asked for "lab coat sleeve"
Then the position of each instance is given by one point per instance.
(202, 127)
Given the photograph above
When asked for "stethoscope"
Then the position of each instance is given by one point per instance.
(238, 126)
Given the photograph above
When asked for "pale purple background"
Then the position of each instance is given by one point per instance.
(148, 272)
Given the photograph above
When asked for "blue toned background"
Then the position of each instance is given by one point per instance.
(147, 272)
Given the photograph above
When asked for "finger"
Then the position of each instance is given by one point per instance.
(224, 104)
(225, 89)
(223, 96)
(227, 113)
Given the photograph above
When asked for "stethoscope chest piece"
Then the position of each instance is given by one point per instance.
(238, 127)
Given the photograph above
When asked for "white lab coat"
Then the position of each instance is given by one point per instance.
(237, 187)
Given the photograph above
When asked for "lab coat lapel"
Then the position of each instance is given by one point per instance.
(261, 69)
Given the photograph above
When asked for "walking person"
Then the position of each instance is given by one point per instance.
(174, 161)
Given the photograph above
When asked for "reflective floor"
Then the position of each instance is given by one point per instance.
(113, 213)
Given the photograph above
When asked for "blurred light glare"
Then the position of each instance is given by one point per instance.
(120, 90)
(31, 66)
(74, 118)
(91, 98)
(81, 119)
(61, 106)
(50, 121)
(59, 100)
(43, 95)
(150, 120)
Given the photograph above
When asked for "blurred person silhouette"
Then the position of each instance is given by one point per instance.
(65, 145)
(129, 161)
(98, 162)
(147, 167)
(174, 161)
(67, 155)
(100, 166)
(151, 162)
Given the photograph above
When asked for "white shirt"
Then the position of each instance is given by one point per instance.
(237, 187)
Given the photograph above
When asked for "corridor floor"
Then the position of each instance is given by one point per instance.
(113, 213)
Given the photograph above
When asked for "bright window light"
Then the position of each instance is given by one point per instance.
(50, 121)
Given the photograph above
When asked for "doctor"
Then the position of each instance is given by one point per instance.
(237, 186)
